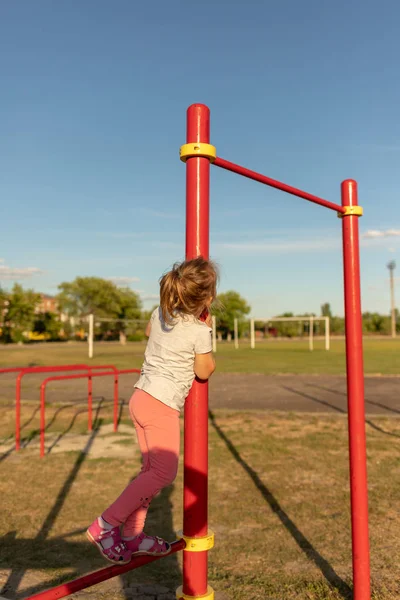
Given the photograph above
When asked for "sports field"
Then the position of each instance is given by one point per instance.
(270, 358)
(279, 493)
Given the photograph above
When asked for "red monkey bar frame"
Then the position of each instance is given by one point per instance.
(197, 540)
(53, 369)
(89, 375)
(198, 153)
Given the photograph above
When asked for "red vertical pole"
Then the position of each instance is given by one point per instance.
(355, 396)
(195, 498)
(18, 413)
(42, 418)
(115, 401)
(90, 401)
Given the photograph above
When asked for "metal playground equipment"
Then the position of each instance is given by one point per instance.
(196, 539)
(54, 369)
(115, 373)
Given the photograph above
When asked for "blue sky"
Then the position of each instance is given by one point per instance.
(92, 114)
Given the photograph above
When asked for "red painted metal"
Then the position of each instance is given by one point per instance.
(25, 371)
(195, 518)
(89, 375)
(11, 370)
(229, 166)
(49, 369)
(120, 372)
(355, 396)
(81, 583)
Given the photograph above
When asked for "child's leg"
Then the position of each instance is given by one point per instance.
(135, 522)
(160, 425)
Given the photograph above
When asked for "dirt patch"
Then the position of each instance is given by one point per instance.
(106, 444)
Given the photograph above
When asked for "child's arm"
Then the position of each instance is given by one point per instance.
(148, 329)
(204, 365)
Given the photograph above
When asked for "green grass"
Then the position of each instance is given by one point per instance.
(279, 506)
(380, 356)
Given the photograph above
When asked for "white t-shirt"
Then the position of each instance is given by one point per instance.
(167, 373)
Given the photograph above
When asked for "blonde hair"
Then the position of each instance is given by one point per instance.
(187, 288)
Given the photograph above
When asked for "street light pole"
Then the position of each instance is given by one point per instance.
(391, 266)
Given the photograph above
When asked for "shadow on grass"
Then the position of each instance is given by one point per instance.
(34, 433)
(304, 544)
(372, 402)
(40, 546)
(42, 553)
(338, 409)
(68, 429)
(121, 406)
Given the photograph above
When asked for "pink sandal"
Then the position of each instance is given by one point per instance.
(147, 544)
(117, 552)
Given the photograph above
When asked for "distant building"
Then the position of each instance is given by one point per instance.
(47, 304)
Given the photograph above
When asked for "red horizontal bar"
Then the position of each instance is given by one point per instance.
(225, 164)
(78, 376)
(12, 370)
(81, 583)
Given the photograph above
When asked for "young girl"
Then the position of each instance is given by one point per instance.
(179, 348)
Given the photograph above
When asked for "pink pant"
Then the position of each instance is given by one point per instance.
(158, 433)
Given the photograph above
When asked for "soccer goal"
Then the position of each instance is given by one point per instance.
(109, 330)
(311, 320)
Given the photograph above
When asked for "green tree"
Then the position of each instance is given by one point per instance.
(48, 323)
(326, 310)
(289, 328)
(231, 305)
(376, 323)
(87, 295)
(101, 297)
(20, 315)
(129, 304)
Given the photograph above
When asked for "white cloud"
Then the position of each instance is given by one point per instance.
(276, 247)
(17, 273)
(151, 297)
(123, 280)
(381, 233)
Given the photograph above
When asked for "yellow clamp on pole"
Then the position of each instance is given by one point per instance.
(356, 211)
(197, 149)
(208, 596)
(198, 544)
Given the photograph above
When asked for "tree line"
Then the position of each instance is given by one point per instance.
(119, 314)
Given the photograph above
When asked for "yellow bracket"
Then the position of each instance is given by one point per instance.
(198, 149)
(198, 544)
(181, 596)
(356, 211)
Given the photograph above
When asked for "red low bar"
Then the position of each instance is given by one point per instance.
(49, 369)
(89, 375)
(43, 399)
(11, 370)
(355, 396)
(81, 583)
(25, 371)
(225, 164)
